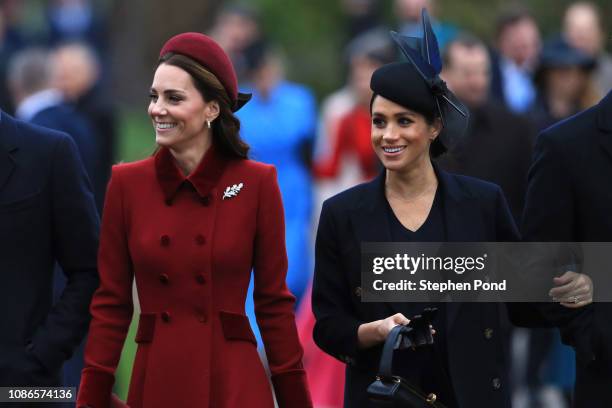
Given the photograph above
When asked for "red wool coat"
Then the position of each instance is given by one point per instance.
(191, 244)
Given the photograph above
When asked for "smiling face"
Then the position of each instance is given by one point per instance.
(178, 110)
(401, 137)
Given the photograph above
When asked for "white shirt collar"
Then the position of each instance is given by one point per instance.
(37, 102)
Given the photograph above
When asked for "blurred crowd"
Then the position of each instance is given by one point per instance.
(515, 85)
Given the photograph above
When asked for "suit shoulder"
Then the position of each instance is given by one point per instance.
(572, 130)
(40, 135)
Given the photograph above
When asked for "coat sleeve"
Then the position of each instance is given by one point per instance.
(111, 307)
(549, 216)
(274, 303)
(75, 238)
(336, 326)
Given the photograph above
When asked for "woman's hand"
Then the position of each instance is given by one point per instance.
(385, 326)
(572, 290)
(376, 332)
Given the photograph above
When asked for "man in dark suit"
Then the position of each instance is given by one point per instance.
(76, 73)
(39, 103)
(47, 215)
(569, 199)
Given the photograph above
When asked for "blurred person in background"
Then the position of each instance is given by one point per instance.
(583, 29)
(38, 102)
(79, 21)
(75, 20)
(515, 59)
(497, 145)
(11, 41)
(349, 158)
(76, 74)
(409, 14)
(361, 16)
(279, 125)
(564, 82)
(235, 29)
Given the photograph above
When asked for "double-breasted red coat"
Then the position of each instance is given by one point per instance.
(191, 244)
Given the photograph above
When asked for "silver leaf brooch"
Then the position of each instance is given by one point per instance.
(232, 191)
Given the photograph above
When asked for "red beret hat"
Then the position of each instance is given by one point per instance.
(207, 52)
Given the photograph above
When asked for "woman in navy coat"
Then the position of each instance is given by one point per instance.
(412, 200)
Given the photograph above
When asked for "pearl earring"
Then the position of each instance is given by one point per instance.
(208, 123)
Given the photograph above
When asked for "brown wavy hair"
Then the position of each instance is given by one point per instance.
(226, 128)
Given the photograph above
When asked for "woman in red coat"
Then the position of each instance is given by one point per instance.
(189, 224)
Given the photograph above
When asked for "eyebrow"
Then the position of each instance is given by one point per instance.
(398, 114)
(168, 91)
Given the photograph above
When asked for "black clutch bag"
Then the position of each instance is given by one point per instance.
(392, 391)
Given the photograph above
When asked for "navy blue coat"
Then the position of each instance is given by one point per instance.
(47, 215)
(569, 198)
(65, 119)
(474, 211)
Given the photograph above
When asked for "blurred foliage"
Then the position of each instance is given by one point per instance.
(137, 139)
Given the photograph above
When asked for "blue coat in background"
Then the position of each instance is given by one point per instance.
(279, 129)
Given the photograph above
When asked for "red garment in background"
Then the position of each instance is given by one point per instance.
(353, 139)
(325, 373)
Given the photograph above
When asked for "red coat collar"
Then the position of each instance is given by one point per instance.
(203, 178)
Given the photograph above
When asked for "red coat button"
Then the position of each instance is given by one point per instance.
(200, 240)
(202, 318)
(200, 279)
(164, 240)
(165, 316)
(163, 278)
(205, 201)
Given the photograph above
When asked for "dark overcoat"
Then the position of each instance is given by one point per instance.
(474, 211)
(569, 199)
(47, 215)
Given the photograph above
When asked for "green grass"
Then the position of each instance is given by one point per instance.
(136, 135)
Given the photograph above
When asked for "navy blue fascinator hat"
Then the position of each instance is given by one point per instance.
(416, 84)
